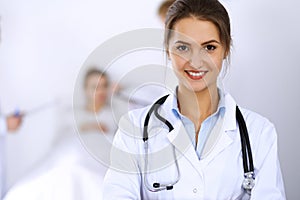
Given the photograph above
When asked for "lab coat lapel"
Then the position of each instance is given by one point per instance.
(229, 124)
(223, 142)
(178, 136)
(181, 141)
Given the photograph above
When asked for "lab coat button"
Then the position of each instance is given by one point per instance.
(195, 190)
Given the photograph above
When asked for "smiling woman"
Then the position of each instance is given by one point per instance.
(197, 56)
(200, 128)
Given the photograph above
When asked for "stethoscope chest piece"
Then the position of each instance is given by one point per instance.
(249, 182)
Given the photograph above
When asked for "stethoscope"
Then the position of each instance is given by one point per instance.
(248, 182)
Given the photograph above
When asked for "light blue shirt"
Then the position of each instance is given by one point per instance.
(206, 126)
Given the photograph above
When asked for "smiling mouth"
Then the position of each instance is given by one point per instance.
(195, 75)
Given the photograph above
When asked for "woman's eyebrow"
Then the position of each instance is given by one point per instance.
(204, 43)
(182, 42)
(210, 41)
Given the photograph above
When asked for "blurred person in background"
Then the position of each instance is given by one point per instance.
(96, 87)
(163, 9)
(10, 124)
(76, 165)
(96, 116)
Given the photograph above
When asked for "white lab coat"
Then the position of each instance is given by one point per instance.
(3, 129)
(216, 176)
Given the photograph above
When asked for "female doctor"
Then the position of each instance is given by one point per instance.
(192, 144)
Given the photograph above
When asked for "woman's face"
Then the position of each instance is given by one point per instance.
(196, 53)
(96, 89)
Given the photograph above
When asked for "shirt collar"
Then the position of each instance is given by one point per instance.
(220, 110)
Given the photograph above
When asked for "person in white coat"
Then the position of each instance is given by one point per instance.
(7, 124)
(10, 123)
(188, 144)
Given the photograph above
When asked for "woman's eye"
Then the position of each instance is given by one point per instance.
(182, 48)
(210, 47)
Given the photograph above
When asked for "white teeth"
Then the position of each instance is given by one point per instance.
(196, 73)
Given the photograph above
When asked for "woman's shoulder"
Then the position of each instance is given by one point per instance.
(253, 118)
(260, 129)
(258, 125)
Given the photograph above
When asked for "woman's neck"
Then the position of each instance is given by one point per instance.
(197, 106)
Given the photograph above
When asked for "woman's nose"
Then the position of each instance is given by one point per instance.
(198, 58)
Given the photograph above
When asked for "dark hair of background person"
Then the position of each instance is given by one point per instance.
(163, 8)
(93, 71)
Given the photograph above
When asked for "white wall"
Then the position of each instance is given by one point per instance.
(44, 44)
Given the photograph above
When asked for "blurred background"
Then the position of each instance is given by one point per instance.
(44, 44)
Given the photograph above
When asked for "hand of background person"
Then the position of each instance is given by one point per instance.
(14, 122)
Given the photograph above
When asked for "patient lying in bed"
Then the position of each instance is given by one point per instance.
(77, 163)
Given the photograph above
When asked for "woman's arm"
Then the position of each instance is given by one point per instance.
(268, 181)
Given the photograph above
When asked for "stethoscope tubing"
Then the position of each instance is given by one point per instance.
(245, 142)
(248, 166)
